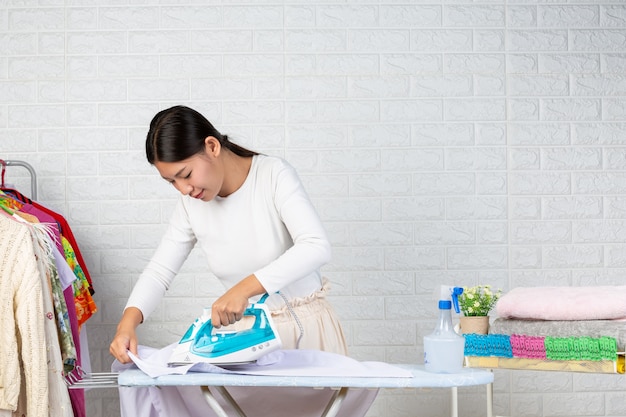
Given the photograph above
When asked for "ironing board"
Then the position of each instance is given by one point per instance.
(420, 379)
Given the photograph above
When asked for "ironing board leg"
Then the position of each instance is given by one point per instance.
(216, 405)
(489, 400)
(455, 402)
(335, 403)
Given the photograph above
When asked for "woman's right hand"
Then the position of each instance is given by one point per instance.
(125, 338)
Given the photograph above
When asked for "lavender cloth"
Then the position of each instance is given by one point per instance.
(290, 362)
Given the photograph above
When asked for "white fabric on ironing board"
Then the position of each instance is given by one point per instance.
(293, 362)
(188, 401)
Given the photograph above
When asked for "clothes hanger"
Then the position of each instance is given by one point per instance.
(4, 168)
(33, 176)
(3, 187)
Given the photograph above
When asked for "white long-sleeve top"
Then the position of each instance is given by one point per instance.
(268, 227)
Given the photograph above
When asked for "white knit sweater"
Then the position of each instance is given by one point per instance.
(22, 340)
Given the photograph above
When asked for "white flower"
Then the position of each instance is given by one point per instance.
(478, 300)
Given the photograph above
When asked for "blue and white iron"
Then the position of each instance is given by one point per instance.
(202, 343)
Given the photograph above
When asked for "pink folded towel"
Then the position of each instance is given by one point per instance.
(564, 303)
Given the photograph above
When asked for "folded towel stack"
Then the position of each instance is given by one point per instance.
(540, 347)
(564, 303)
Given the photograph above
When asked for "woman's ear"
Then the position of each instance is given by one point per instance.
(212, 146)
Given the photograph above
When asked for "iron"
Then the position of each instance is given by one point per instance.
(202, 343)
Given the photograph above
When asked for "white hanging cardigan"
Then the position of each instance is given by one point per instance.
(22, 336)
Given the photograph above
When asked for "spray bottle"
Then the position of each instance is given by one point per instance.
(444, 347)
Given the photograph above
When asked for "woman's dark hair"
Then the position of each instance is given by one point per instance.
(179, 132)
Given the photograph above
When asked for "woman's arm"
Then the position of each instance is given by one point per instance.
(153, 282)
(311, 248)
(156, 278)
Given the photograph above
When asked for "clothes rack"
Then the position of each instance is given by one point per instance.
(33, 176)
(46, 321)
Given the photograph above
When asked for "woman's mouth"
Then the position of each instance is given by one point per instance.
(199, 195)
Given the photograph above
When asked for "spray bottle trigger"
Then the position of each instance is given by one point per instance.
(456, 291)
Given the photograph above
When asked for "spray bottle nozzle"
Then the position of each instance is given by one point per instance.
(451, 294)
(456, 291)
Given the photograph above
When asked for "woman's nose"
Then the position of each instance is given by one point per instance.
(184, 188)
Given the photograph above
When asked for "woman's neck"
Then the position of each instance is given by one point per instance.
(236, 169)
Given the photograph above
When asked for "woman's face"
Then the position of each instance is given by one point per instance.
(200, 176)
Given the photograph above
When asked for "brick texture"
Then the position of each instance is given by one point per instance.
(443, 142)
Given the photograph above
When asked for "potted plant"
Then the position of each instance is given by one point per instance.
(475, 303)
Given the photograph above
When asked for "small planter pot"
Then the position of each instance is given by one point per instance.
(474, 324)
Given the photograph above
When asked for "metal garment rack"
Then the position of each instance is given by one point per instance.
(4, 163)
(80, 380)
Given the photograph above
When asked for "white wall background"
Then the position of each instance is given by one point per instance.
(442, 141)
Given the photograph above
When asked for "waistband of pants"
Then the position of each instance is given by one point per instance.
(299, 302)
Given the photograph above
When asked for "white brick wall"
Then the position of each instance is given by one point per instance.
(442, 142)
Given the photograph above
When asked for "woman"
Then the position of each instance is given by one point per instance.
(252, 218)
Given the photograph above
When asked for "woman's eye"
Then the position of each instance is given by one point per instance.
(188, 175)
